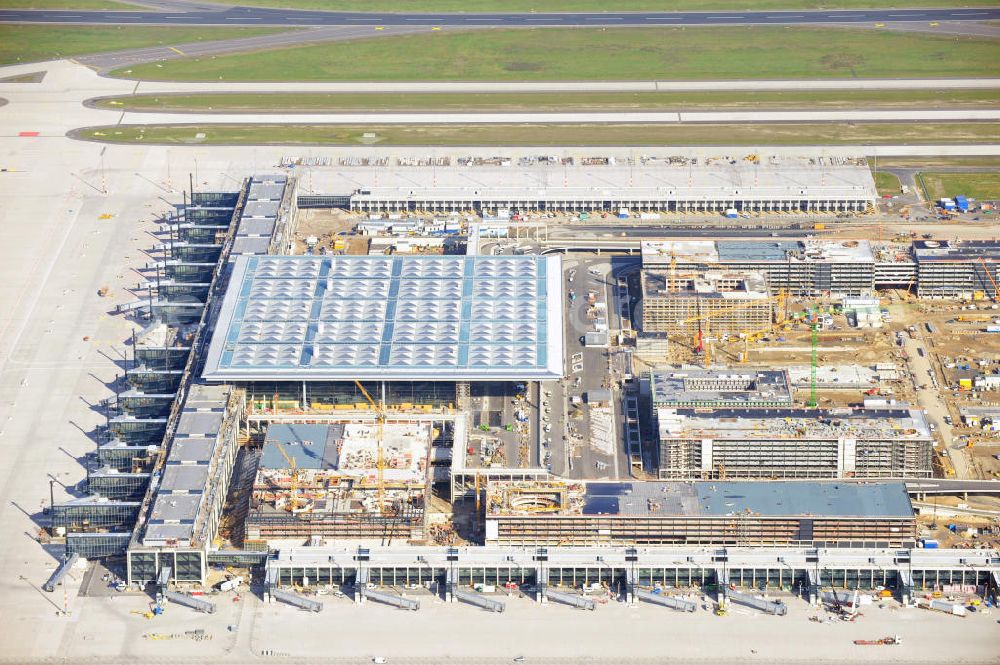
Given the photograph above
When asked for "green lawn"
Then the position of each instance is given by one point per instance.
(929, 161)
(886, 183)
(613, 54)
(32, 43)
(982, 186)
(565, 102)
(469, 6)
(68, 4)
(549, 134)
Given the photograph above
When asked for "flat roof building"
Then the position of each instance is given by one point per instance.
(957, 268)
(709, 513)
(699, 387)
(793, 443)
(682, 301)
(446, 318)
(688, 187)
(798, 267)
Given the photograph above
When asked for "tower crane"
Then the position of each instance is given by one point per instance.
(989, 275)
(705, 318)
(379, 434)
(294, 478)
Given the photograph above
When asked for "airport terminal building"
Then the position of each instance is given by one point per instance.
(685, 188)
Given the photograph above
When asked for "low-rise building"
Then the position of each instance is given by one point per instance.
(709, 513)
(698, 387)
(793, 443)
(726, 302)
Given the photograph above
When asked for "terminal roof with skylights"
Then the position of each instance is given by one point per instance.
(324, 318)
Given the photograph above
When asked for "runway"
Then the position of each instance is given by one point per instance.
(259, 16)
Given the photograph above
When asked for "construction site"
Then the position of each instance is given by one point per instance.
(393, 418)
(809, 267)
(699, 513)
(675, 302)
(340, 481)
(778, 443)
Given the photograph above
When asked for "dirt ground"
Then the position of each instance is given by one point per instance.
(326, 225)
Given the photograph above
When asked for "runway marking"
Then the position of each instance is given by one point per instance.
(177, 50)
(743, 17)
(907, 15)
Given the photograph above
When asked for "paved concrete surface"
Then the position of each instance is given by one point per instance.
(105, 630)
(741, 117)
(266, 16)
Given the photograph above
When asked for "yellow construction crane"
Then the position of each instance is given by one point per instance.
(989, 275)
(379, 433)
(753, 336)
(294, 479)
(704, 319)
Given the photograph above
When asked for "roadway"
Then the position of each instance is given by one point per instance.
(259, 16)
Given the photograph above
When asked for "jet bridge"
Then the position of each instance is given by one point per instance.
(60, 573)
(678, 604)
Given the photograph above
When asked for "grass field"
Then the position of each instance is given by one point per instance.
(886, 183)
(613, 54)
(32, 43)
(469, 6)
(68, 4)
(982, 186)
(564, 102)
(931, 161)
(549, 134)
